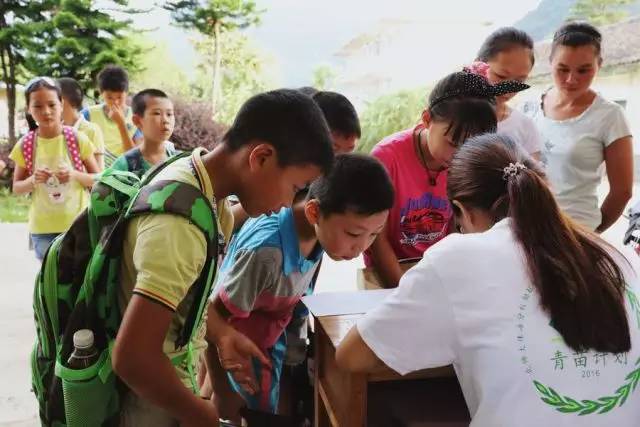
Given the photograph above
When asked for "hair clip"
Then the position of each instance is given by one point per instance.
(512, 170)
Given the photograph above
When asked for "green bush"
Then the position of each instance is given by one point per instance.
(389, 114)
(13, 208)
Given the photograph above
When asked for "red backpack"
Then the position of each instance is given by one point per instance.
(73, 148)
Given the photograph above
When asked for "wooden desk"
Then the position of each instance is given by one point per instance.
(341, 397)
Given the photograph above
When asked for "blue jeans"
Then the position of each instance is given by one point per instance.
(41, 243)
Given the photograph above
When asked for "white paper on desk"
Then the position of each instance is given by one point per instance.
(337, 303)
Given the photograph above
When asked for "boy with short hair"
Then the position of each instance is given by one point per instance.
(72, 98)
(342, 118)
(153, 114)
(113, 116)
(271, 263)
(278, 143)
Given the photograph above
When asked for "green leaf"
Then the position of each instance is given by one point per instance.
(590, 407)
(609, 402)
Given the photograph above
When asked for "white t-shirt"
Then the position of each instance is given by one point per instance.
(470, 303)
(574, 151)
(523, 131)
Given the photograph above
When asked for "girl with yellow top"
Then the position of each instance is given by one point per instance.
(53, 163)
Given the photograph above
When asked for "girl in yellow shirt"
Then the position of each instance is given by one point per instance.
(54, 164)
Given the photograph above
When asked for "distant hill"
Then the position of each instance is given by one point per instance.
(541, 22)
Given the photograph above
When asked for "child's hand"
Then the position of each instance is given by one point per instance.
(236, 352)
(116, 113)
(41, 175)
(64, 174)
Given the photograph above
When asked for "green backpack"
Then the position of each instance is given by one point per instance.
(77, 288)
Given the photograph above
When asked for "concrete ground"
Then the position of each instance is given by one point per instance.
(18, 268)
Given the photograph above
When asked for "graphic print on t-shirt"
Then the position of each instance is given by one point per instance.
(424, 220)
(560, 375)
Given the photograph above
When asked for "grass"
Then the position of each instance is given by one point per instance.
(13, 208)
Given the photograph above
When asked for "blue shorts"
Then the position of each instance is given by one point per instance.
(41, 243)
(268, 379)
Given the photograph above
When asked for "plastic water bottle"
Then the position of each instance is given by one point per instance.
(84, 353)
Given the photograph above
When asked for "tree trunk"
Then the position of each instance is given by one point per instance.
(11, 97)
(7, 60)
(216, 99)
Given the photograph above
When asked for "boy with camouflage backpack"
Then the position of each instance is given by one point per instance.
(278, 143)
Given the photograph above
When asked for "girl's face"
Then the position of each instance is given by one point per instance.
(574, 68)
(441, 146)
(511, 64)
(45, 107)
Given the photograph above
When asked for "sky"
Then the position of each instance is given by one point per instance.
(301, 35)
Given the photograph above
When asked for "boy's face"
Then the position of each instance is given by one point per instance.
(114, 99)
(266, 186)
(343, 144)
(158, 121)
(345, 236)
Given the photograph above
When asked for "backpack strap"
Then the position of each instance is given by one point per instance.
(73, 148)
(29, 150)
(184, 199)
(134, 159)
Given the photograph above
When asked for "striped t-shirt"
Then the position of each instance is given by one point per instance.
(264, 275)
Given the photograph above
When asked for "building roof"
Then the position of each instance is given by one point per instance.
(620, 46)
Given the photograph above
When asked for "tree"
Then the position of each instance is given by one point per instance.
(211, 18)
(158, 69)
(600, 12)
(20, 20)
(390, 113)
(323, 77)
(81, 40)
(244, 72)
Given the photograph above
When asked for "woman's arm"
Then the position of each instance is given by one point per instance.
(618, 158)
(354, 355)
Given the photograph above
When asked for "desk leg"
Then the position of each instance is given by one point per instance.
(340, 397)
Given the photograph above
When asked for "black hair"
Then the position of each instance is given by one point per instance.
(467, 114)
(114, 79)
(576, 34)
(503, 39)
(34, 85)
(580, 284)
(71, 91)
(308, 90)
(288, 120)
(357, 183)
(339, 112)
(139, 101)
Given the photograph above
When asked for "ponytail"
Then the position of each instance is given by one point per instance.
(31, 122)
(580, 285)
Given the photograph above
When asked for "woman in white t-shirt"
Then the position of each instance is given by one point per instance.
(581, 130)
(539, 317)
(507, 54)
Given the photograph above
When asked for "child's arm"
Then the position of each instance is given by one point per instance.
(235, 350)
(139, 360)
(385, 261)
(116, 113)
(86, 179)
(24, 183)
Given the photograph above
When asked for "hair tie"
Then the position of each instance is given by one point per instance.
(478, 67)
(476, 85)
(512, 170)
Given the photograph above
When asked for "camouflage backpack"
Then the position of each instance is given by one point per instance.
(77, 288)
